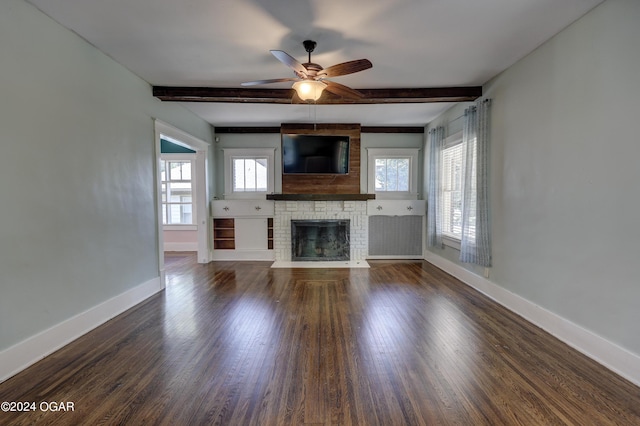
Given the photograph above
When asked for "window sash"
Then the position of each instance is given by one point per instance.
(408, 157)
(392, 174)
(258, 184)
(452, 173)
(250, 174)
(451, 182)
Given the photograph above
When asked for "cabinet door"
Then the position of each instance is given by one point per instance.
(251, 234)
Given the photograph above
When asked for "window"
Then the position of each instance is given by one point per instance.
(452, 174)
(452, 190)
(177, 192)
(393, 172)
(458, 209)
(248, 172)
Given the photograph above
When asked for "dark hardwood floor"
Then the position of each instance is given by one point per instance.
(401, 343)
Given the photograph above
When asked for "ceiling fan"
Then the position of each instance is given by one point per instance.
(311, 79)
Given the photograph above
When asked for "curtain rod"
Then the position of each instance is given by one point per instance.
(484, 101)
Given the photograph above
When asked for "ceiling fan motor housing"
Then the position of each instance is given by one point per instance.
(312, 69)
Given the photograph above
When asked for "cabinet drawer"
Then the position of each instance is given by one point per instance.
(396, 207)
(242, 208)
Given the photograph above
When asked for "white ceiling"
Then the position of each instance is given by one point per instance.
(411, 43)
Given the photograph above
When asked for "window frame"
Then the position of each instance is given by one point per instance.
(412, 154)
(231, 154)
(454, 140)
(175, 157)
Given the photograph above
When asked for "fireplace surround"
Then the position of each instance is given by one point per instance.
(355, 212)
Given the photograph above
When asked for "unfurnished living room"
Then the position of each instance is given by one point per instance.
(269, 212)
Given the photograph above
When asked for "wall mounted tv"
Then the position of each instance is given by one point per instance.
(315, 154)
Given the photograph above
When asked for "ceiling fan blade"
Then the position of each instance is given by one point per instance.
(346, 68)
(342, 90)
(291, 62)
(274, 80)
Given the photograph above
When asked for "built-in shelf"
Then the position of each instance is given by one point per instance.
(224, 234)
(321, 197)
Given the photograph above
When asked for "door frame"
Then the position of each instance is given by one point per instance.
(201, 190)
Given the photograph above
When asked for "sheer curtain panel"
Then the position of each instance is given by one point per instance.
(434, 208)
(475, 244)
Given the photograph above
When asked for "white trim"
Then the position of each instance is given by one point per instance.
(179, 137)
(395, 257)
(411, 154)
(177, 246)
(158, 126)
(610, 355)
(452, 242)
(201, 195)
(31, 350)
(230, 154)
(453, 139)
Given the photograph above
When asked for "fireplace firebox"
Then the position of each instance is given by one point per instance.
(320, 240)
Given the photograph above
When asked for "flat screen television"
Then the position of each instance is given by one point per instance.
(315, 154)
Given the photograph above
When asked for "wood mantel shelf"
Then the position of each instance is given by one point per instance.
(321, 197)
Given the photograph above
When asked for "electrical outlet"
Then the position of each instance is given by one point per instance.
(486, 272)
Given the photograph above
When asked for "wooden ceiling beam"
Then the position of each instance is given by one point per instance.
(285, 96)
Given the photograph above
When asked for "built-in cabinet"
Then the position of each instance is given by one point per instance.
(396, 229)
(242, 229)
(396, 207)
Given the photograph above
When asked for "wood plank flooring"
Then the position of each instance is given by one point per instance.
(401, 343)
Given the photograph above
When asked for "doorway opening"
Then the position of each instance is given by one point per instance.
(172, 170)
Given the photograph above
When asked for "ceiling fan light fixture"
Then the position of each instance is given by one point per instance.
(309, 90)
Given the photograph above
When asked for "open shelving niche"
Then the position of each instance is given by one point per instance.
(224, 234)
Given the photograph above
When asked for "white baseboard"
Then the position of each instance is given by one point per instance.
(610, 355)
(169, 246)
(21, 355)
(395, 257)
(255, 255)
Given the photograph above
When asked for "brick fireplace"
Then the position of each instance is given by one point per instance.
(322, 198)
(355, 212)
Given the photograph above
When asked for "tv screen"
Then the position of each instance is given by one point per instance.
(315, 154)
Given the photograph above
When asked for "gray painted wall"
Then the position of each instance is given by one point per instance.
(565, 192)
(77, 219)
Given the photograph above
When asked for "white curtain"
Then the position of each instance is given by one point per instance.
(475, 244)
(434, 208)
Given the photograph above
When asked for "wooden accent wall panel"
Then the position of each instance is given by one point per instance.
(326, 184)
